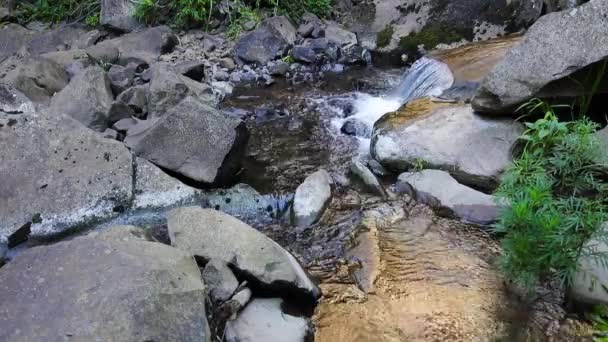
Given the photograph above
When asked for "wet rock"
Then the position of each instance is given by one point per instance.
(67, 176)
(220, 280)
(264, 320)
(364, 174)
(304, 54)
(160, 281)
(192, 139)
(312, 198)
(473, 149)
(337, 34)
(168, 88)
(222, 89)
(356, 128)
(191, 69)
(12, 101)
(271, 40)
(121, 77)
(278, 68)
(210, 234)
(37, 78)
(119, 15)
(87, 98)
(245, 203)
(591, 279)
(461, 92)
(136, 98)
(143, 47)
(439, 190)
(581, 33)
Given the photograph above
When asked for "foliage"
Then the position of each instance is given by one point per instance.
(555, 191)
(288, 59)
(92, 20)
(385, 36)
(430, 36)
(55, 11)
(239, 17)
(590, 85)
(182, 13)
(599, 318)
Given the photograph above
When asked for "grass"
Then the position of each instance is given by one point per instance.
(56, 11)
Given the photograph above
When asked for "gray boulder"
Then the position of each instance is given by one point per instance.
(304, 54)
(192, 139)
(121, 77)
(12, 38)
(211, 234)
(37, 78)
(337, 34)
(87, 98)
(442, 192)
(278, 68)
(119, 15)
(355, 127)
(271, 40)
(591, 280)
(67, 176)
(365, 175)
(264, 320)
(136, 98)
(12, 101)
(283, 26)
(312, 198)
(578, 38)
(220, 280)
(142, 47)
(106, 290)
(473, 149)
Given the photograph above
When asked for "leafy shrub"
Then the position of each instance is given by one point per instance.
(555, 191)
(241, 15)
(55, 11)
(384, 37)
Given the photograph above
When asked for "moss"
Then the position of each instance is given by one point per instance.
(430, 36)
(384, 37)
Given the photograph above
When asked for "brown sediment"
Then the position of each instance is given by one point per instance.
(409, 112)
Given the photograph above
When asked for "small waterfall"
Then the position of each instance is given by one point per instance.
(426, 77)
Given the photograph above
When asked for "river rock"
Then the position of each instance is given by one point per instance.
(12, 101)
(194, 140)
(87, 98)
(366, 176)
(210, 234)
(591, 279)
(264, 320)
(356, 127)
(119, 15)
(337, 34)
(312, 198)
(303, 54)
(278, 68)
(37, 78)
(220, 280)
(67, 176)
(269, 41)
(581, 36)
(473, 149)
(442, 192)
(142, 47)
(106, 290)
(192, 69)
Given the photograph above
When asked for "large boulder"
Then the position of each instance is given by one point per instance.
(90, 289)
(87, 98)
(591, 280)
(271, 40)
(442, 192)
(473, 149)
(37, 78)
(193, 140)
(312, 198)
(142, 47)
(210, 234)
(554, 48)
(57, 174)
(119, 15)
(12, 38)
(264, 320)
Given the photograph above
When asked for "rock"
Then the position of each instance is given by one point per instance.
(582, 35)
(121, 77)
(312, 198)
(461, 92)
(37, 78)
(145, 46)
(222, 89)
(591, 279)
(473, 149)
(278, 68)
(271, 40)
(264, 320)
(442, 192)
(210, 234)
(221, 76)
(120, 233)
(119, 15)
(342, 37)
(228, 63)
(168, 88)
(97, 284)
(110, 134)
(67, 176)
(87, 98)
(119, 111)
(154, 188)
(304, 54)
(12, 38)
(356, 128)
(220, 280)
(64, 37)
(194, 140)
(72, 61)
(3, 253)
(12, 101)
(367, 178)
(191, 69)
(136, 98)
(124, 125)
(244, 202)
(306, 29)
(229, 309)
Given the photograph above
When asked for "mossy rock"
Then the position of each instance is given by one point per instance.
(385, 36)
(431, 36)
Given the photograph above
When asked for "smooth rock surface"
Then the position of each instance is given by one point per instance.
(220, 280)
(442, 192)
(366, 176)
(266, 42)
(311, 199)
(211, 234)
(144, 46)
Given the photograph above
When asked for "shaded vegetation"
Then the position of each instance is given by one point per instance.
(55, 11)
(430, 36)
(385, 36)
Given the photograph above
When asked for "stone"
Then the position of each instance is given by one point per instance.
(12, 38)
(119, 15)
(37, 78)
(3, 253)
(87, 98)
(359, 170)
(591, 279)
(168, 88)
(66, 58)
(120, 233)
(210, 234)
(121, 77)
(136, 98)
(193, 140)
(65, 37)
(119, 111)
(283, 26)
(278, 68)
(124, 125)
(581, 34)
(264, 320)
(269, 41)
(220, 280)
(191, 69)
(67, 176)
(97, 283)
(110, 134)
(306, 29)
(12, 101)
(154, 188)
(355, 127)
(473, 149)
(228, 63)
(311, 199)
(335, 33)
(442, 192)
(142, 47)
(303, 54)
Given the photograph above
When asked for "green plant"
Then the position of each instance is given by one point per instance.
(57, 10)
(555, 191)
(598, 317)
(239, 17)
(418, 165)
(288, 59)
(92, 20)
(385, 36)
(182, 13)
